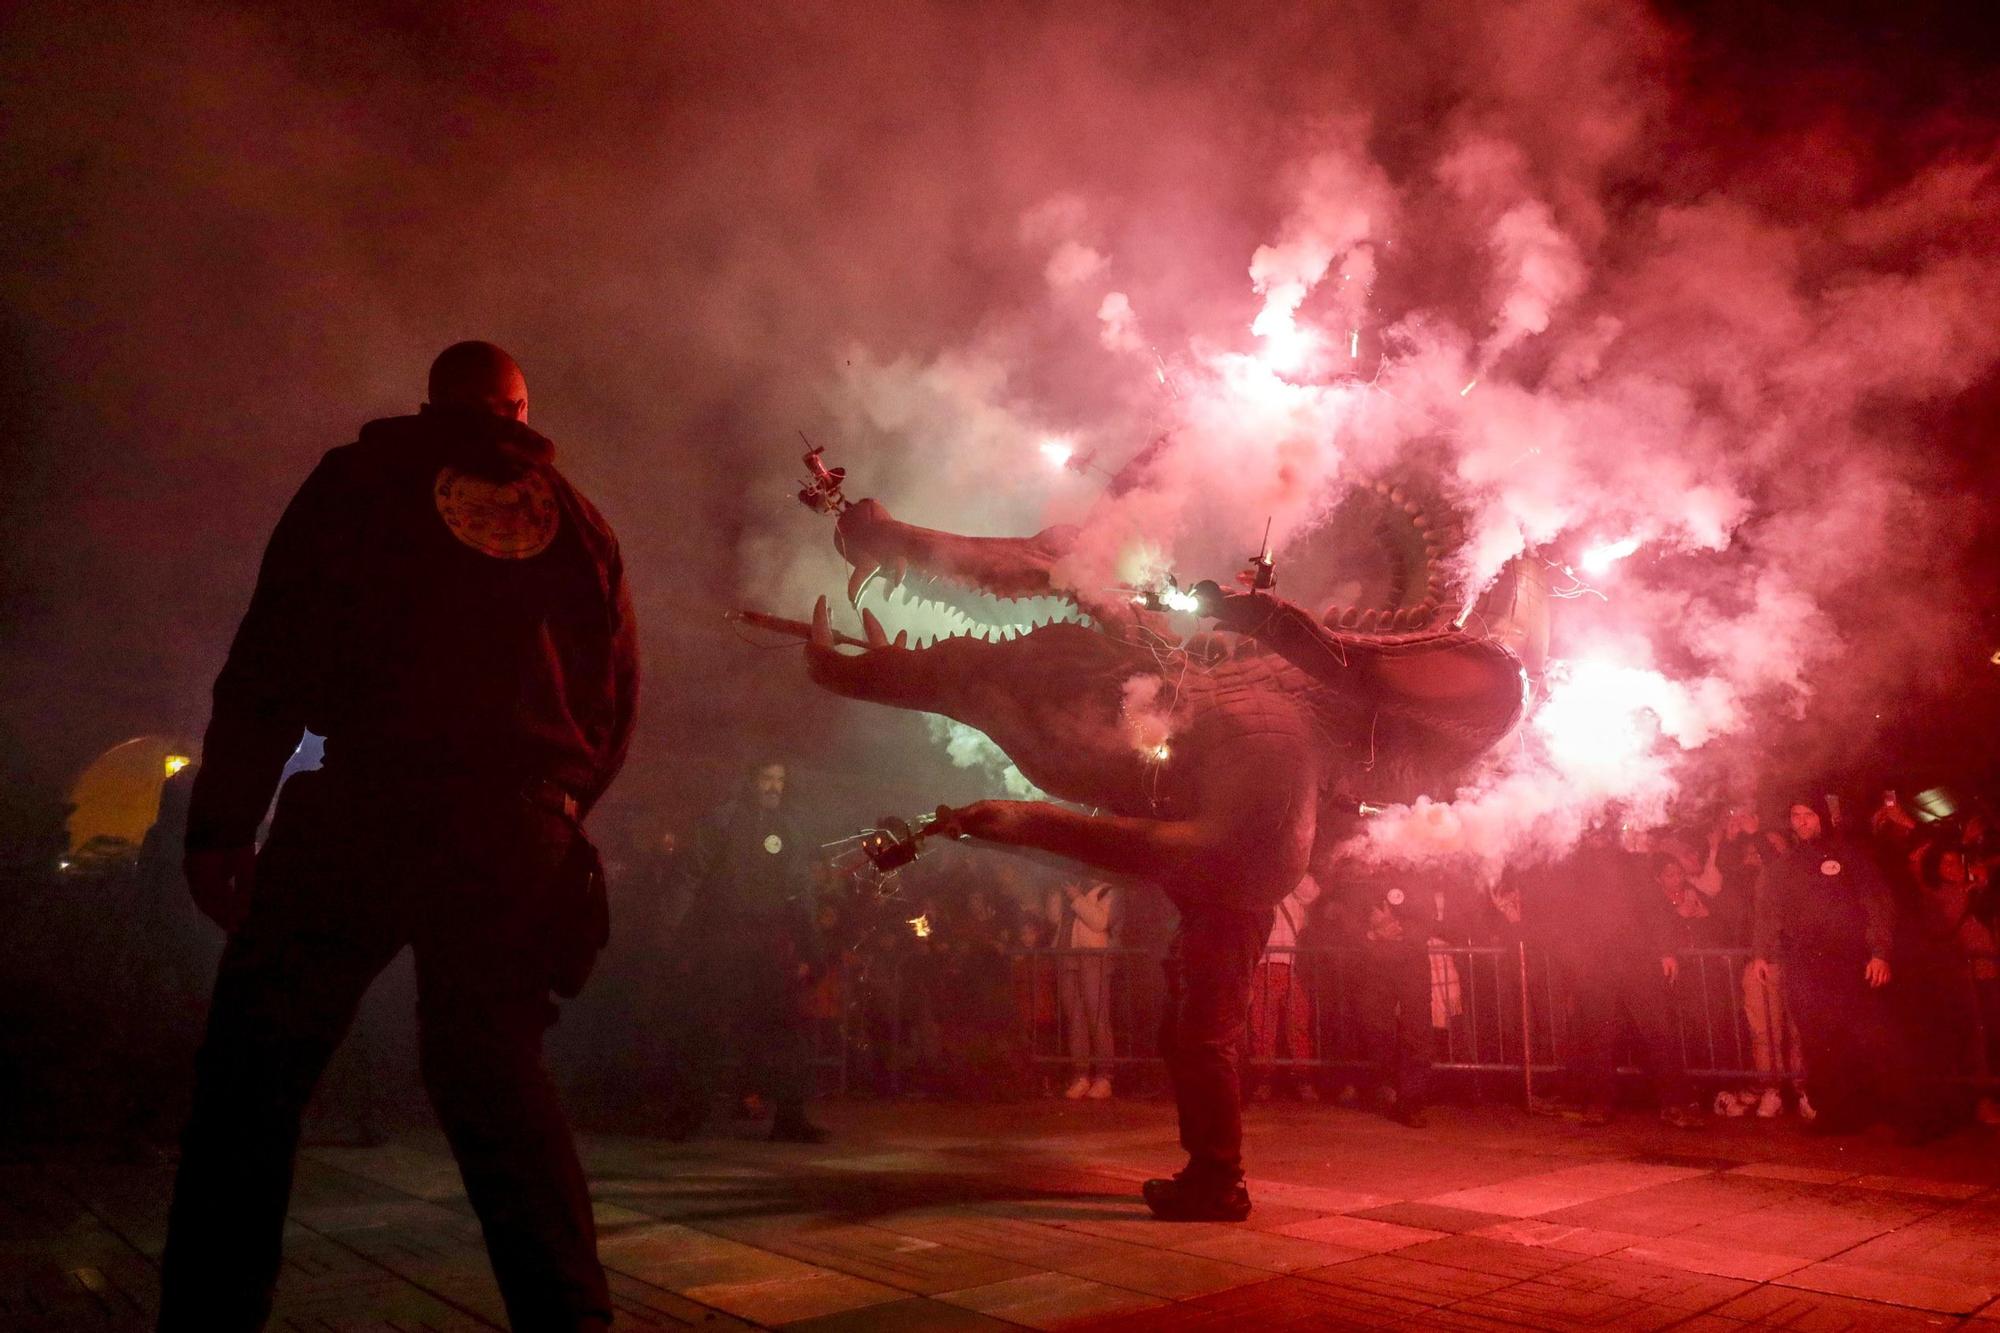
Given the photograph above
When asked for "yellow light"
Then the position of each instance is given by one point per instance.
(177, 762)
(921, 925)
(1995, 659)
(1160, 751)
(1468, 388)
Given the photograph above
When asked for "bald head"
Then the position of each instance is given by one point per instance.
(480, 377)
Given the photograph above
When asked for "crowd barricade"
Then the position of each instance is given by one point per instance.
(1497, 1012)
(909, 1023)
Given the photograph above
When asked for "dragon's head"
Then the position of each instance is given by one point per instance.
(1100, 696)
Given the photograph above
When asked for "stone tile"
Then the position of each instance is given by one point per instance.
(1695, 1255)
(1431, 1217)
(1048, 1300)
(1895, 1286)
(1615, 1276)
(1582, 1241)
(1311, 1197)
(414, 1167)
(1929, 1189)
(1171, 1275)
(1032, 1244)
(1960, 1246)
(1532, 1196)
(1403, 1282)
(1545, 1305)
(1812, 1229)
(1269, 1251)
(1694, 1160)
(1814, 1175)
(680, 1258)
(783, 1299)
(1812, 1312)
(637, 1304)
(1495, 1258)
(1603, 1293)
(1360, 1233)
(908, 1263)
(1281, 1305)
(1145, 1229)
(916, 1315)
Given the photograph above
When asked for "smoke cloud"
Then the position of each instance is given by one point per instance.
(1548, 253)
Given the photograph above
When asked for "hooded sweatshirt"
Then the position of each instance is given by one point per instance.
(439, 603)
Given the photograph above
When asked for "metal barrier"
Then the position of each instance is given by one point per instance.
(1495, 1011)
(968, 1024)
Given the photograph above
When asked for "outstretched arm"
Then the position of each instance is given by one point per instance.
(1250, 838)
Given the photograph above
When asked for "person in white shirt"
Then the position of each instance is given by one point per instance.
(1082, 916)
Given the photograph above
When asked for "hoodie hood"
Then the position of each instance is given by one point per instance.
(479, 442)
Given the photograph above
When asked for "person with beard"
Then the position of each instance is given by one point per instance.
(1826, 918)
(451, 615)
(751, 948)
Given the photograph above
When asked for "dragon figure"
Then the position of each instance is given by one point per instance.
(1216, 764)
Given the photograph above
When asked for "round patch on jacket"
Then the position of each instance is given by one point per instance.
(509, 520)
(1395, 897)
(773, 843)
(1829, 867)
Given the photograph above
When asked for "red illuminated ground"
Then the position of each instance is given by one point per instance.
(943, 1217)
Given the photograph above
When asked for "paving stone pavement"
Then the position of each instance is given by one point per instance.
(929, 1216)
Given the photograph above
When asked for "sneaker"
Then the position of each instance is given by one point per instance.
(1806, 1111)
(1179, 1199)
(1099, 1090)
(1078, 1088)
(1407, 1113)
(1683, 1117)
(1729, 1104)
(1771, 1105)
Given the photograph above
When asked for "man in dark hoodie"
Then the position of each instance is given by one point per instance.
(1825, 916)
(443, 607)
(752, 945)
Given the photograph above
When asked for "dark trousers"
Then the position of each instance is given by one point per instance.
(1610, 992)
(1856, 1068)
(1392, 996)
(467, 879)
(1209, 966)
(750, 1004)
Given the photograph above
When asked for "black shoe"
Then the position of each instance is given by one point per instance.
(1178, 1199)
(1408, 1113)
(798, 1131)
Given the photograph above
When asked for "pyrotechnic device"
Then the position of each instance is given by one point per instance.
(820, 491)
(877, 854)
